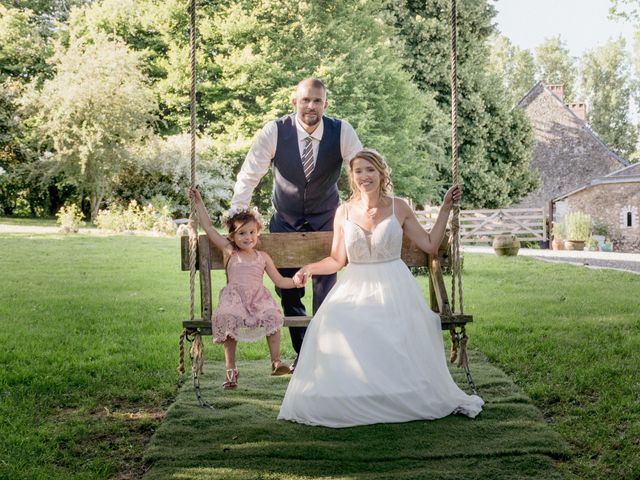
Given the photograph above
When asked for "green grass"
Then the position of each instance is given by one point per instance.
(88, 337)
(569, 337)
(28, 221)
(241, 438)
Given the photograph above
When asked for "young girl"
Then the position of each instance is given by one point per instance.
(246, 311)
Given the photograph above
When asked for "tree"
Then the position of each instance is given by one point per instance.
(515, 66)
(494, 139)
(252, 54)
(24, 49)
(608, 87)
(89, 114)
(556, 66)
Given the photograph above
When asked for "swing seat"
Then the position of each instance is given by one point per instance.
(292, 250)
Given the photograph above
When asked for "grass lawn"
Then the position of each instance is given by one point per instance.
(28, 221)
(89, 327)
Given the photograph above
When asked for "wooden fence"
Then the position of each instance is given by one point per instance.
(480, 226)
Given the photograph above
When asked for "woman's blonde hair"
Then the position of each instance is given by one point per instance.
(380, 164)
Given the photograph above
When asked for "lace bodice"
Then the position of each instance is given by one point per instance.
(384, 243)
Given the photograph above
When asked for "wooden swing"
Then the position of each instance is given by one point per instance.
(291, 250)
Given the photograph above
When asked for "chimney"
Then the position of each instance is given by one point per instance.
(580, 109)
(557, 90)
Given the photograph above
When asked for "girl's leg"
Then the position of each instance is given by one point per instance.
(273, 341)
(230, 352)
(277, 367)
(231, 372)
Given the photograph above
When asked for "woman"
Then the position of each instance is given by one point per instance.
(374, 351)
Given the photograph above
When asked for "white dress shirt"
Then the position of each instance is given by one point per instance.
(258, 160)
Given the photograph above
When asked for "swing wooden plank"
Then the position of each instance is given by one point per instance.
(292, 250)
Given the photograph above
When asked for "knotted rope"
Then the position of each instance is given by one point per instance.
(458, 340)
(196, 352)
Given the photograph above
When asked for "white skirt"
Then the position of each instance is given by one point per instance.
(374, 354)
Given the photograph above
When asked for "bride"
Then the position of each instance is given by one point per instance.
(374, 351)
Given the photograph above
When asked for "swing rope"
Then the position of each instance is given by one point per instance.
(196, 351)
(459, 340)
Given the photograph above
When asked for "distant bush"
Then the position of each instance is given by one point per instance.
(69, 218)
(134, 217)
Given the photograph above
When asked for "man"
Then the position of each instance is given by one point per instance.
(306, 151)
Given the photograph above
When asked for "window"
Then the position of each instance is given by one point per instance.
(629, 217)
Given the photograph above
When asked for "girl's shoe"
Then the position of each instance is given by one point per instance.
(232, 379)
(278, 368)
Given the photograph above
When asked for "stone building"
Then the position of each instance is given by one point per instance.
(567, 154)
(612, 200)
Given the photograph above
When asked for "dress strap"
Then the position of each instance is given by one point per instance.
(393, 206)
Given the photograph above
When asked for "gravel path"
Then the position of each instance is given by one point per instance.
(629, 262)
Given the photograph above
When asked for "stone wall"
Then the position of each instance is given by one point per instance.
(567, 155)
(605, 203)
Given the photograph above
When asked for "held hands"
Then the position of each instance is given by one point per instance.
(301, 277)
(454, 194)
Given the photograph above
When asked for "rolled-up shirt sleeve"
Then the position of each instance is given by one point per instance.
(255, 166)
(349, 142)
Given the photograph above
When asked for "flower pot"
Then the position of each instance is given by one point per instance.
(557, 244)
(506, 245)
(574, 244)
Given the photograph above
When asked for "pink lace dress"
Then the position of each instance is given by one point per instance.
(246, 310)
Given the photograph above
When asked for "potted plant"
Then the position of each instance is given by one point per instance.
(557, 232)
(592, 245)
(506, 245)
(578, 230)
(607, 247)
(600, 232)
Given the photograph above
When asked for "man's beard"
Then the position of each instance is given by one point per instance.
(311, 118)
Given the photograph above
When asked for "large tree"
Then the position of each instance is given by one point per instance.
(90, 113)
(556, 66)
(515, 66)
(251, 55)
(608, 89)
(495, 140)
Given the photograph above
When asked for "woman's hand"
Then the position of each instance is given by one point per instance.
(454, 194)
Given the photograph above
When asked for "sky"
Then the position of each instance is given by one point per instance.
(582, 24)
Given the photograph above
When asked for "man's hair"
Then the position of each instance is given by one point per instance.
(315, 83)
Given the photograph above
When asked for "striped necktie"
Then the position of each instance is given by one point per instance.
(307, 158)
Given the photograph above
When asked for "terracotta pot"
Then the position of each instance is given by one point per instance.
(506, 245)
(574, 245)
(557, 244)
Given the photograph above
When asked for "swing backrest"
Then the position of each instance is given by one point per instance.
(292, 250)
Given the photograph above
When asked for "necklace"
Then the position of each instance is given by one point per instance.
(371, 212)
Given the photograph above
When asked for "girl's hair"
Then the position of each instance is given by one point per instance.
(241, 218)
(380, 164)
(237, 221)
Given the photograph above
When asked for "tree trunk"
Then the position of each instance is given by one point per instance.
(96, 200)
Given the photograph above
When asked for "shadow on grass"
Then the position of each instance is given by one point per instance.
(241, 439)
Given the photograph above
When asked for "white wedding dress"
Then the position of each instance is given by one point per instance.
(374, 351)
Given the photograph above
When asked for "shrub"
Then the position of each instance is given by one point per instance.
(578, 226)
(69, 218)
(147, 218)
(558, 231)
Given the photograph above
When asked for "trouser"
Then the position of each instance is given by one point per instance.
(291, 298)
